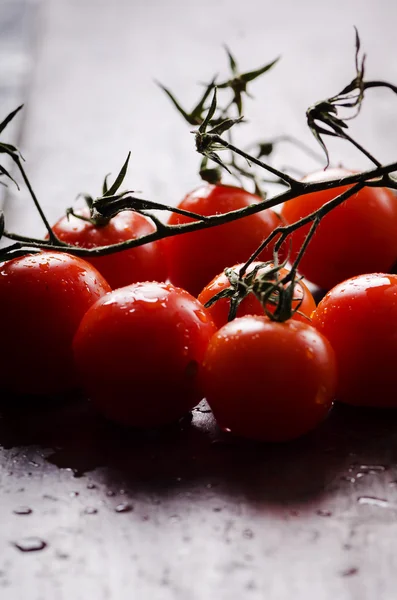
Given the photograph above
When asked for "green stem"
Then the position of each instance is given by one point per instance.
(51, 234)
(290, 180)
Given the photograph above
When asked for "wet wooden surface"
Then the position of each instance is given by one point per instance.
(186, 514)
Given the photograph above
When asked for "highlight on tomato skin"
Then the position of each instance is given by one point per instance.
(43, 298)
(359, 318)
(357, 237)
(251, 305)
(138, 351)
(195, 258)
(146, 262)
(269, 381)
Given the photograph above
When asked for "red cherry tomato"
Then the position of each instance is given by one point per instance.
(359, 317)
(138, 352)
(268, 381)
(251, 305)
(142, 263)
(43, 298)
(195, 258)
(359, 236)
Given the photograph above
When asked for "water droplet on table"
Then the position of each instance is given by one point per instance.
(124, 507)
(90, 510)
(350, 572)
(30, 544)
(372, 501)
(22, 510)
(372, 468)
(324, 513)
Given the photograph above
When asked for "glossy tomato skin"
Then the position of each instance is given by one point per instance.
(251, 305)
(142, 263)
(138, 352)
(359, 236)
(43, 298)
(269, 381)
(359, 317)
(195, 258)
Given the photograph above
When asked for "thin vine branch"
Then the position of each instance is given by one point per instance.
(300, 188)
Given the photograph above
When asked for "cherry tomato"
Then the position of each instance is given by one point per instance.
(359, 236)
(268, 381)
(251, 305)
(138, 352)
(195, 258)
(142, 263)
(359, 317)
(43, 298)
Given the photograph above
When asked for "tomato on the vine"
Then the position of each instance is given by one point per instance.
(142, 263)
(358, 236)
(138, 351)
(195, 258)
(268, 381)
(43, 298)
(250, 305)
(359, 317)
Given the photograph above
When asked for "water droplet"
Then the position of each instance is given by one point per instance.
(110, 493)
(22, 510)
(91, 486)
(324, 513)
(124, 507)
(201, 315)
(74, 494)
(90, 510)
(350, 572)
(30, 544)
(174, 518)
(372, 501)
(372, 469)
(248, 534)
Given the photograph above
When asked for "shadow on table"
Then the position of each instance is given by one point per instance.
(195, 453)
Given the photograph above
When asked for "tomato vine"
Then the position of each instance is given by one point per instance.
(213, 122)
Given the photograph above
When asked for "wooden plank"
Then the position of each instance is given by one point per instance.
(199, 517)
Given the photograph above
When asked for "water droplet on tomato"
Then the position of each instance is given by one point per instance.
(201, 315)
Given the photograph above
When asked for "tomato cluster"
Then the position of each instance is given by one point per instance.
(146, 351)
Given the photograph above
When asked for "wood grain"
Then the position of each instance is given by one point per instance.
(201, 517)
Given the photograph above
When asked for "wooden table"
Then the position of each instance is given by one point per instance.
(185, 514)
